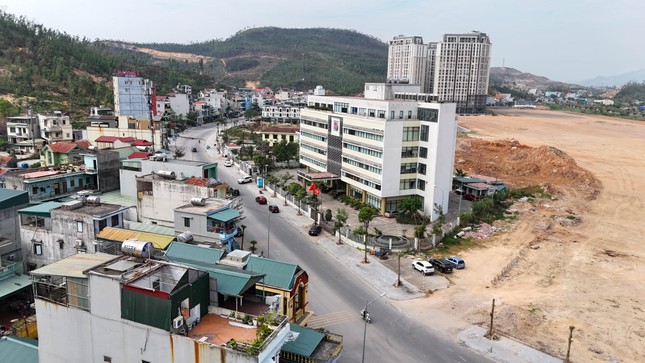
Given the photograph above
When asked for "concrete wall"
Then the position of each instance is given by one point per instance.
(10, 229)
(166, 196)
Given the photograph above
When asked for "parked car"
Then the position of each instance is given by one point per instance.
(274, 208)
(442, 265)
(315, 229)
(457, 262)
(470, 197)
(244, 180)
(228, 163)
(235, 192)
(424, 267)
(194, 149)
(391, 213)
(261, 199)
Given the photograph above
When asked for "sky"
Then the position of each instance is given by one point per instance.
(564, 40)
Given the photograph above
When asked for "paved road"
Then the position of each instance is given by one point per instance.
(336, 293)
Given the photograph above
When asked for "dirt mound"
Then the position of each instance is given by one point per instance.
(521, 166)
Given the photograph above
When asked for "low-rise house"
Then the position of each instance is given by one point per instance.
(23, 133)
(53, 231)
(10, 202)
(276, 134)
(170, 309)
(477, 186)
(282, 113)
(44, 184)
(55, 127)
(63, 152)
(209, 220)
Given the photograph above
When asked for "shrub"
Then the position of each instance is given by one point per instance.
(328, 215)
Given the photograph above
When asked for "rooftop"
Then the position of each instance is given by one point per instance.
(212, 205)
(217, 330)
(100, 210)
(74, 266)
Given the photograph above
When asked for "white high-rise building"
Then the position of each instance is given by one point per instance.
(461, 70)
(455, 69)
(392, 144)
(407, 58)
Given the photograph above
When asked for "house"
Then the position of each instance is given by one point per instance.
(127, 308)
(24, 134)
(62, 152)
(53, 231)
(44, 184)
(55, 127)
(10, 202)
(209, 220)
(113, 142)
(477, 186)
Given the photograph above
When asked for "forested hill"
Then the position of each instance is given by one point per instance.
(48, 70)
(340, 60)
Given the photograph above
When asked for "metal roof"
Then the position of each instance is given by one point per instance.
(11, 197)
(194, 254)
(147, 227)
(306, 342)
(12, 284)
(159, 241)
(41, 210)
(75, 265)
(225, 215)
(279, 274)
(233, 282)
(18, 350)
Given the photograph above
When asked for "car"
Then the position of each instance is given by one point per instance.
(424, 267)
(391, 213)
(470, 197)
(234, 192)
(457, 262)
(261, 199)
(274, 208)
(244, 180)
(442, 265)
(208, 146)
(228, 163)
(194, 149)
(315, 229)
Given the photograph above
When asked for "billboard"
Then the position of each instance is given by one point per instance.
(335, 126)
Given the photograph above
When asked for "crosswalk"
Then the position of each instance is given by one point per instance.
(324, 321)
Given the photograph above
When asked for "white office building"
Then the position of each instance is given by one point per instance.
(383, 148)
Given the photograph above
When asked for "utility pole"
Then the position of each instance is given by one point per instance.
(566, 359)
(490, 330)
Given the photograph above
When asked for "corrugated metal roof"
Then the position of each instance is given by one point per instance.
(152, 228)
(18, 350)
(279, 274)
(12, 284)
(11, 197)
(159, 241)
(306, 342)
(41, 210)
(225, 215)
(233, 283)
(194, 254)
(75, 265)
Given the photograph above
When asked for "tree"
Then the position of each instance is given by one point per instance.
(300, 195)
(341, 219)
(460, 172)
(272, 180)
(410, 205)
(365, 215)
(293, 189)
(399, 254)
(179, 152)
(284, 178)
(262, 162)
(437, 226)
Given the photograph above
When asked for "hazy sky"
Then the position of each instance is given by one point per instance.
(564, 40)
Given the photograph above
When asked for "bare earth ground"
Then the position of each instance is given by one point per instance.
(586, 265)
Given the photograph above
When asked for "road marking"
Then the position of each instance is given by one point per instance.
(321, 321)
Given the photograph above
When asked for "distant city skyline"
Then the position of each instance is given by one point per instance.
(569, 41)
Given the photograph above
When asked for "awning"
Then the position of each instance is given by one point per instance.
(225, 215)
(14, 284)
(41, 210)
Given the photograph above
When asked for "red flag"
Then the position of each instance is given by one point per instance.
(312, 187)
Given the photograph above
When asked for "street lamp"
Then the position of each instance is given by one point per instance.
(367, 304)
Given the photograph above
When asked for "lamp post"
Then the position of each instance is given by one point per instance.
(367, 304)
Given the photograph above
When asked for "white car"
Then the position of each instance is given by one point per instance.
(244, 180)
(424, 267)
(228, 163)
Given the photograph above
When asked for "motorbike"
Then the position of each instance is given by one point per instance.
(366, 316)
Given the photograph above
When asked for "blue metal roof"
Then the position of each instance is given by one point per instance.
(225, 215)
(193, 254)
(11, 197)
(18, 350)
(306, 342)
(41, 210)
(279, 274)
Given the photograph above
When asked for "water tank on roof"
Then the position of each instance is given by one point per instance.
(198, 201)
(93, 200)
(136, 248)
(166, 174)
(185, 237)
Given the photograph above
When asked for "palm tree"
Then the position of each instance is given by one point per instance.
(365, 216)
(341, 219)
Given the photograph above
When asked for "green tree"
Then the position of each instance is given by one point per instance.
(300, 195)
(365, 215)
(7, 109)
(179, 152)
(411, 205)
(284, 179)
(437, 226)
(341, 220)
(262, 162)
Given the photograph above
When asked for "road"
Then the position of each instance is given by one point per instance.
(336, 294)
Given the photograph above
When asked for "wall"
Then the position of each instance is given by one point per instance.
(152, 207)
(10, 229)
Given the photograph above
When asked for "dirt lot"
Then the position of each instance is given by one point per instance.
(574, 259)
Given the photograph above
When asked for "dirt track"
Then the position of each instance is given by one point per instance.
(588, 268)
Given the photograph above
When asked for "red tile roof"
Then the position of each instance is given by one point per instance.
(85, 144)
(141, 142)
(112, 139)
(62, 147)
(197, 181)
(139, 155)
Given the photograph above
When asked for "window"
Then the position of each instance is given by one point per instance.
(423, 152)
(425, 130)
(79, 226)
(401, 114)
(72, 183)
(421, 185)
(411, 133)
(408, 168)
(421, 169)
(426, 114)
(186, 222)
(107, 359)
(34, 190)
(38, 248)
(409, 152)
(406, 184)
(115, 220)
(409, 114)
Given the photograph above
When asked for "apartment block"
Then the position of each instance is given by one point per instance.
(385, 147)
(406, 60)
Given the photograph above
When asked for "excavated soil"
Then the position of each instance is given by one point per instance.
(573, 259)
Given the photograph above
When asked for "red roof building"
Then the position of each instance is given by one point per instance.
(139, 155)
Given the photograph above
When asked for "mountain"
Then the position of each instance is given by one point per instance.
(340, 60)
(617, 80)
(512, 78)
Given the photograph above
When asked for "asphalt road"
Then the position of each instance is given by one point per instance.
(336, 294)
